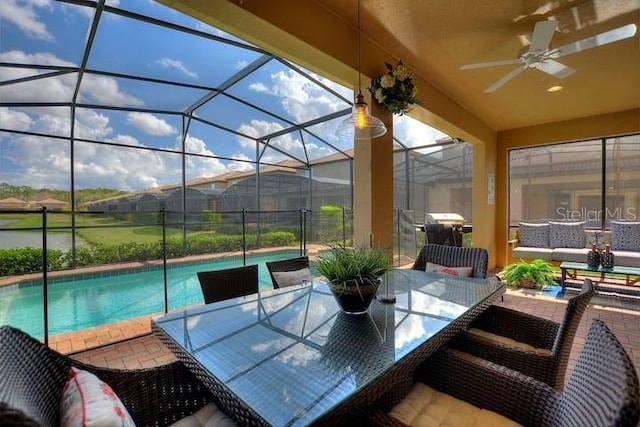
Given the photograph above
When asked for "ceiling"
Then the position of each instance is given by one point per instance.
(436, 37)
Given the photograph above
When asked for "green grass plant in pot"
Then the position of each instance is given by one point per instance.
(530, 275)
(354, 275)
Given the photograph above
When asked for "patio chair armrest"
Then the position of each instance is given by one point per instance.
(542, 366)
(155, 396)
(519, 326)
(490, 386)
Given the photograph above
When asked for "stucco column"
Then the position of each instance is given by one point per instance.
(373, 185)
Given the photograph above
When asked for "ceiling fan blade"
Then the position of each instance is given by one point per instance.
(542, 34)
(491, 64)
(505, 79)
(601, 39)
(554, 68)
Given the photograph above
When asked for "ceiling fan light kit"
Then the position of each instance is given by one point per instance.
(543, 58)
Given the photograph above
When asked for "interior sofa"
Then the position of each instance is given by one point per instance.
(570, 241)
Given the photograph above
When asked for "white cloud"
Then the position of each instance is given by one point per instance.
(99, 89)
(150, 124)
(105, 90)
(23, 15)
(240, 65)
(178, 65)
(206, 166)
(15, 120)
(302, 99)
(287, 143)
(414, 133)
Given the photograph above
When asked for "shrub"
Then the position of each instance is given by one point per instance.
(29, 260)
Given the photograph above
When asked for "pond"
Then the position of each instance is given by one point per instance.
(20, 239)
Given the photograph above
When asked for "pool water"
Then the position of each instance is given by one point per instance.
(94, 300)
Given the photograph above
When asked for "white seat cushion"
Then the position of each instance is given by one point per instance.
(208, 416)
(507, 341)
(426, 407)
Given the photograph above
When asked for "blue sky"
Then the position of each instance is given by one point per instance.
(51, 33)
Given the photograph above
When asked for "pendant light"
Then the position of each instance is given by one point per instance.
(360, 124)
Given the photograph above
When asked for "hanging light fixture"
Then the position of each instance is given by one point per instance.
(360, 124)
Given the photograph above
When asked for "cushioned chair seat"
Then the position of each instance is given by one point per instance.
(533, 345)
(426, 407)
(627, 258)
(507, 341)
(603, 391)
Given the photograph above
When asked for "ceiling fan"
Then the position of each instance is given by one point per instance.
(542, 57)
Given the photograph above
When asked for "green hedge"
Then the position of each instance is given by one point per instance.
(29, 260)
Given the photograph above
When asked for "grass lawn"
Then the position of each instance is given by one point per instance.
(99, 230)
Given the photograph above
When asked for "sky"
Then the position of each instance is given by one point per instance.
(54, 34)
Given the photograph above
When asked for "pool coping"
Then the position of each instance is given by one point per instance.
(56, 276)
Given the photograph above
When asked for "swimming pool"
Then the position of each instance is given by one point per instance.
(84, 301)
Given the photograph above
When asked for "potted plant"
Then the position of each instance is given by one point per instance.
(531, 275)
(353, 275)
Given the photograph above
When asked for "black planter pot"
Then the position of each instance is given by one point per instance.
(355, 297)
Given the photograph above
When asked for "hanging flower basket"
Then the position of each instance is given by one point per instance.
(394, 90)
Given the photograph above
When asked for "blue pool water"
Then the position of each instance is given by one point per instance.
(91, 300)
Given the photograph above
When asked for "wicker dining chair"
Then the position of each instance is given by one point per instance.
(533, 345)
(454, 256)
(291, 264)
(440, 234)
(218, 285)
(32, 378)
(602, 391)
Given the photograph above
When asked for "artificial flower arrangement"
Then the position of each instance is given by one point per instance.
(394, 90)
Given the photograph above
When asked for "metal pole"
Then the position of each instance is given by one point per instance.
(244, 238)
(344, 227)
(45, 263)
(164, 260)
(304, 231)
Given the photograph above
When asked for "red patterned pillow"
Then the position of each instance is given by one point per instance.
(452, 271)
(88, 401)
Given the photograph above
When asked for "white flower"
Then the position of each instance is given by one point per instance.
(395, 90)
(401, 72)
(387, 81)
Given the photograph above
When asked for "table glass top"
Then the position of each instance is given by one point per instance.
(585, 267)
(292, 355)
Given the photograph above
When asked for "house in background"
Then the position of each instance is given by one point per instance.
(13, 204)
(51, 204)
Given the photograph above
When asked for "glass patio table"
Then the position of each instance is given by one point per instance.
(291, 357)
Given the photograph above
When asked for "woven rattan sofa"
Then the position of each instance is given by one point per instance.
(563, 241)
(32, 378)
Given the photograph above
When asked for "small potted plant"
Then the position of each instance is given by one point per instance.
(353, 275)
(530, 275)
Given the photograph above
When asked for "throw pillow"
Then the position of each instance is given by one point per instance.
(208, 416)
(567, 235)
(534, 235)
(290, 278)
(88, 401)
(625, 236)
(452, 271)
